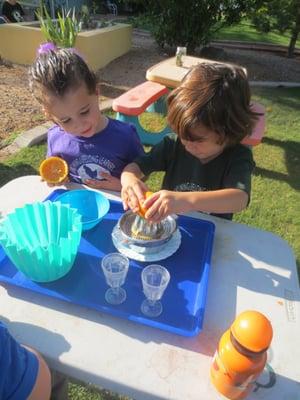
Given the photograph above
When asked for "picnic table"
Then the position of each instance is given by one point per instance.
(150, 96)
(169, 74)
(251, 269)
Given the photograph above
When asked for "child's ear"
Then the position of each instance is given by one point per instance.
(97, 89)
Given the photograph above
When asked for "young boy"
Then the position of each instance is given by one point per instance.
(206, 168)
(96, 147)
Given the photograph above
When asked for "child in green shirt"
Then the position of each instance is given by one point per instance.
(206, 168)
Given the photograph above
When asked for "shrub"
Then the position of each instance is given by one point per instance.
(63, 31)
(192, 23)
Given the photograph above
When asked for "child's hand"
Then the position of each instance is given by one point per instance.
(109, 182)
(133, 194)
(163, 203)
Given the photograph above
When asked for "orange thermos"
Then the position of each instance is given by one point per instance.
(241, 355)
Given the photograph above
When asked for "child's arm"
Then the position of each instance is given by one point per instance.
(24, 373)
(133, 188)
(165, 202)
(42, 387)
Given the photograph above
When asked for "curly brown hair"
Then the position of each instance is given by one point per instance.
(58, 71)
(216, 95)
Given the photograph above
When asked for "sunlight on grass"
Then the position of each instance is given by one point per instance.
(244, 31)
(84, 391)
(25, 162)
(276, 182)
(155, 121)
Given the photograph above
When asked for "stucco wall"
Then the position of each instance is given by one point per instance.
(18, 43)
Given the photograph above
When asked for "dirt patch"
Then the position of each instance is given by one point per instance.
(19, 111)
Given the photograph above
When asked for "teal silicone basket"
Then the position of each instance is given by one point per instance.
(42, 239)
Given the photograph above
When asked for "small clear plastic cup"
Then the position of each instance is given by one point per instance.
(155, 279)
(115, 267)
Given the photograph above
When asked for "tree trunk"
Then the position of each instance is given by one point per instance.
(295, 33)
(292, 44)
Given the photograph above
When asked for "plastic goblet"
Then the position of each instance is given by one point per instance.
(115, 268)
(155, 279)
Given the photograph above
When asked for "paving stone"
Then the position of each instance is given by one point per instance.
(33, 136)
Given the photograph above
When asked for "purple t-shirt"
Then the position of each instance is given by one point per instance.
(108, 151)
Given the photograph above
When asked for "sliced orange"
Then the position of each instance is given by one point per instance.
(54, 170)
(142, 211)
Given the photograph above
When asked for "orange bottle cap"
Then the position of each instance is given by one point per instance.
(252, 330)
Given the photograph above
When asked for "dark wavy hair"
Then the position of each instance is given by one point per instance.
(216, 95)
(58, 71)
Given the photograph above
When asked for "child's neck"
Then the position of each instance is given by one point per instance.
(103, 122)
(208, 159)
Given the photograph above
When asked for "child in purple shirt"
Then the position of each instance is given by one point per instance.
(96, 148)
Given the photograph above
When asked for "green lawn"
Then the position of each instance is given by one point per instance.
(243, 31)
(276, 182)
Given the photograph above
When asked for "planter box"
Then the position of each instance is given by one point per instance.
(19, 41)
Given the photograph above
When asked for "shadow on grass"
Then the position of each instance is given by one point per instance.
(292, 161)
(282, 96)
(7, 173)
(288, 97)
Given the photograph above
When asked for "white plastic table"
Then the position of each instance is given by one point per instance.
(251, 269)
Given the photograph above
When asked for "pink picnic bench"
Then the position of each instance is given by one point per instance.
(259, 129)
(150, 97)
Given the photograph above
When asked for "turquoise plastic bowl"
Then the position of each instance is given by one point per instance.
(91, 205)
(42, 239)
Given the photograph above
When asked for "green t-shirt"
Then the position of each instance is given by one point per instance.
(185, 173)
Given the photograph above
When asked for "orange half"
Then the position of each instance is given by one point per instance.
(54, 170)
(142, 211)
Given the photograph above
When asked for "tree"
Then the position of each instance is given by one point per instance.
(281, 15)
(192, 23)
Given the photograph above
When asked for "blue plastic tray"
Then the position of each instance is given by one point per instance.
(183, 301)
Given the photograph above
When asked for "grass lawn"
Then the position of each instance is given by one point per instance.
(243, 31)
(276, 182)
